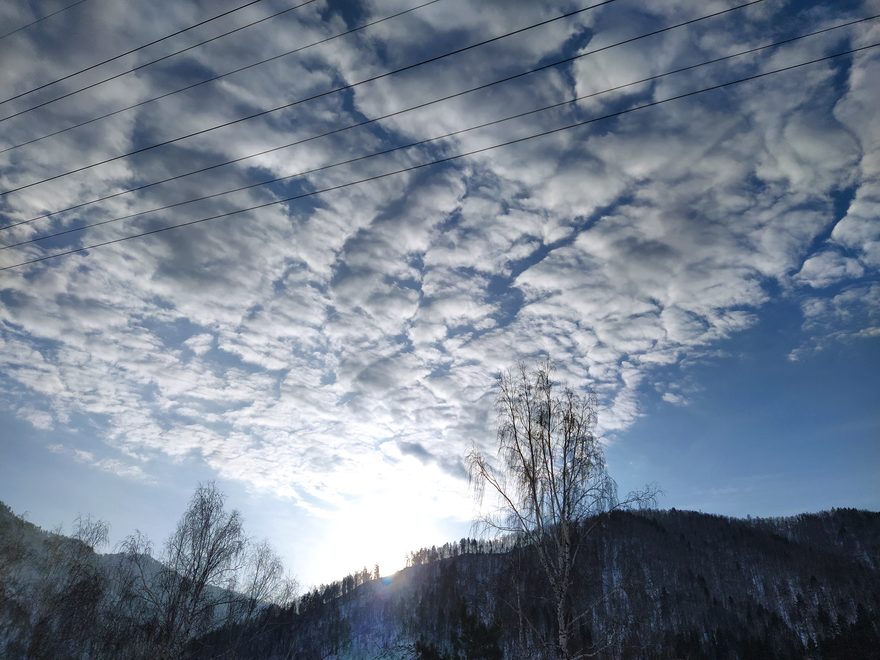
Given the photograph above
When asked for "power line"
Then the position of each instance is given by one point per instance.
(152, 62)
(317, 96)
(370, 121)
(219, 76)
(442, 160)
(128, 52)
(41, 19)
(433, 139)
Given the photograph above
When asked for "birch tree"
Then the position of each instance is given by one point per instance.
(550, 480)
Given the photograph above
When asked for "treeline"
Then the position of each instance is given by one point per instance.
(659, 584)
(325, 593)
(672, 584)
(329, 592)
(465, 546)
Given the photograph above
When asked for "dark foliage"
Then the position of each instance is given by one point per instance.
(61, 599)
(650, 584)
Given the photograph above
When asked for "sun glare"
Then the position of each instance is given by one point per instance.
(382, 538)
(386, 529)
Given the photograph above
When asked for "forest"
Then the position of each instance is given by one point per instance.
(650, 583)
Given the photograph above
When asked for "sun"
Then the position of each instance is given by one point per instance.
(376, 532)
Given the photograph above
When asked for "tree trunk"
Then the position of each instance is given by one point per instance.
(562, 623)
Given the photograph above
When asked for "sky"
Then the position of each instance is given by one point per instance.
(708, 266)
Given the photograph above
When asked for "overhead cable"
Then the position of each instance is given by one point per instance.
(334, 90)
(218, 76)
(493, 122)
(41, 19)
(128, 52)
(392, 114)
(145, 64)
(438, 161)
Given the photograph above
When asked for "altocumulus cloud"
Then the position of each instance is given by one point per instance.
(302, 346)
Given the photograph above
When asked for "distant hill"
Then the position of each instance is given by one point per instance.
(653, 584)
(61, 599)
(46, 590)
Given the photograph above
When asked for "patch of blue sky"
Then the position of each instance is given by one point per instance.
(751, 432)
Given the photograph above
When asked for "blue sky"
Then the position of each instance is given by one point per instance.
(708, 266)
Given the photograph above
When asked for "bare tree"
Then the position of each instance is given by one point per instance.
(260, 585)
(550, 480)
(68, 594)
(210, 574)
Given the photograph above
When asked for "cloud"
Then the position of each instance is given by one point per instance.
(850, 315)
(39, 419)
(675, 399)
(826, 268)
(453, 467)
(200, 344)
(315, 349)
(111, 465)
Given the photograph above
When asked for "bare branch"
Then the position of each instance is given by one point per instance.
(550, 480)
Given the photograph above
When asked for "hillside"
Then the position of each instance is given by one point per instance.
(653, 584)
(670, 584)
(48, 592)
(61, 599)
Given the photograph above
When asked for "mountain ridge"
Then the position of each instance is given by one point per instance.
(651, 583)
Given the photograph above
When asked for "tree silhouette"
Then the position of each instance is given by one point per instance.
(550, 480)
(210, 574)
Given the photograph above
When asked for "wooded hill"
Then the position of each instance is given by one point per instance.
(659, 584)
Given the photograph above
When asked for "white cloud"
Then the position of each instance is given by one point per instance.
(200, 344)
(114, 466)
(39, 419)
(675, 399)
(299, 347)
(828, 267)
(852, 314)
